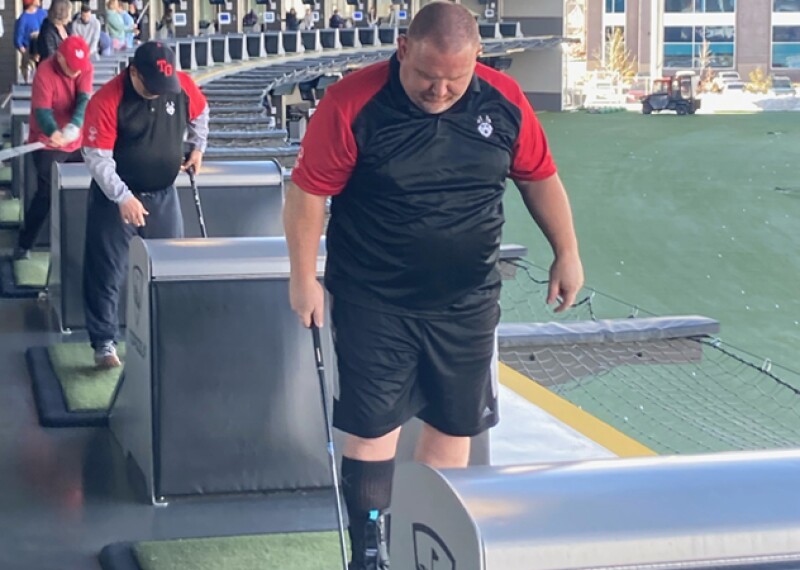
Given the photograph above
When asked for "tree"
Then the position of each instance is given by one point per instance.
(706, 72)
(759, 82)
(618, 59)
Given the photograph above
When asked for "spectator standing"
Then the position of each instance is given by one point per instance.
(336, 21)
(292, 23)
(308, 21)
(55, 29)
(60, 92)
(165, 29)
(26, 29)
(115, 25)
(87, 26)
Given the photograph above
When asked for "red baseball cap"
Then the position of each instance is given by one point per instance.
(75, 52)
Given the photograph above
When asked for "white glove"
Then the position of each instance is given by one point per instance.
(70, 133)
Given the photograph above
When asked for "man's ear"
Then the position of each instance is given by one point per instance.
(402, 47)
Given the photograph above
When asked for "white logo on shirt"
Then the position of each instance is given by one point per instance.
(79, 53)
(92, 134)
(485, 127)
(170, 108)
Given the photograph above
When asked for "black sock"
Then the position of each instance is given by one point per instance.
(367, 488)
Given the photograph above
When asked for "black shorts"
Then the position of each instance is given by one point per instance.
(394, 367)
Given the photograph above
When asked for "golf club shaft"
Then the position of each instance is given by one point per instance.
(198, 206)
(329, 435)
(20, 150)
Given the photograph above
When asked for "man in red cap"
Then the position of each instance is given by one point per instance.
(135, 126)
(60, 92)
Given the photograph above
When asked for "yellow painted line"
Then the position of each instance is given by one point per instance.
(570, 414)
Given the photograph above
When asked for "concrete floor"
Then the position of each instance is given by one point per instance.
(64, 493)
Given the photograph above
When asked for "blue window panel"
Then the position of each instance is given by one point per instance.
(786, 34)
(615, 6)
(679, 5)
(786, 5)
(720, 34)
(678, 34)
(786, 55)
(715, 5)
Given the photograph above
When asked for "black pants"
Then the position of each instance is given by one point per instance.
(105, 264)
(36, 214)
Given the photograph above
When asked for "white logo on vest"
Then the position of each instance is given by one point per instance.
(170, 108)
(485, 127)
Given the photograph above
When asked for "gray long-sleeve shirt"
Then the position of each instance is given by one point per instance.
(103, 167)
(89, 31)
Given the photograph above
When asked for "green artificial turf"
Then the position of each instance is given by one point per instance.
(9, 211)
(32, 272)
(85, 387)
(297, 551)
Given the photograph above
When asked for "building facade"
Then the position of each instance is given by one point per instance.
(666, 36)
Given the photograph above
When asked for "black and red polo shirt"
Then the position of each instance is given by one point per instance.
(146, 135)
(417, 214)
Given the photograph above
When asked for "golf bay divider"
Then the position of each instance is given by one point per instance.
(240, 199)
(224, 399)
(653, 512)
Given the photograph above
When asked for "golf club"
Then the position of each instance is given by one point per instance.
(196, 193)
(69, 132)
(329, 434)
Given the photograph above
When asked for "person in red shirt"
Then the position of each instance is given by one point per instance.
(60, 92)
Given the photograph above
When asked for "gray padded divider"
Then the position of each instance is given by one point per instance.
(220, 52)
(20, 112)
(255, 45)
(526, 335)
(240, 200)
(330, 39)
(238, 405)
(349, 38)
(490, 31)
(293, 42)
(202, 52)
(237, 48)
(273, 41)
(510, 30)
(387, 36)
(311, 40)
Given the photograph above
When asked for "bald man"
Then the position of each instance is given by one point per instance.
(415, 153)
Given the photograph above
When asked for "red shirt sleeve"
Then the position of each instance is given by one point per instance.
(42, 89)
(85, 81)
(531, 159)
(197, 101)
(100, 125)
(328, 153)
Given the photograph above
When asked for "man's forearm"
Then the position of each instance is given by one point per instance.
(103, 168)
(303, 219)
(548, 204)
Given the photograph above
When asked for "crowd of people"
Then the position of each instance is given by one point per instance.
(38, 32)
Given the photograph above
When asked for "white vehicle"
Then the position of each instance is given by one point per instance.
(735, 86)
(725, 77)
(781, 85)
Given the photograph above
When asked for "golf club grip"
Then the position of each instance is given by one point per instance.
(317, 345)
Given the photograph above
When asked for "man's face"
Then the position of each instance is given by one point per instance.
(138, 84)
(85, 17)
(435, 81)
(68, 71)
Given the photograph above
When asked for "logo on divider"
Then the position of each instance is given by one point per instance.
(485, 127)
(137, 280)
(430, 551)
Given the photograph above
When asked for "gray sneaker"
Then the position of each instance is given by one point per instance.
(105, 356)
(21, 253)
